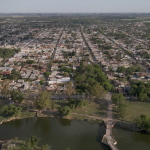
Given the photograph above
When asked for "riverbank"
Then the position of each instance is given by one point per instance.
(9, 144)
(72, 116)
(127, 126)
(22, 116)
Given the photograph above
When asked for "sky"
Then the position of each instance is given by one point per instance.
(74, 6)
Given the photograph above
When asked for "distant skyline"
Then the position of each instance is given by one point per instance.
(74, 6)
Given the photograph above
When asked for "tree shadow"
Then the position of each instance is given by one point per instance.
(43, 124)
(16, 123)
(65, 122)
(103, 107)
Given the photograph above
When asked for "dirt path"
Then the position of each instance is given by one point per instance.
(109, 111)
(94, 117)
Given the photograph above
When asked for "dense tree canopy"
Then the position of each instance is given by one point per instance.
(6, 53)
(77, 103)
(65, 111)
(88, 76)
(142, 90)
(42, 100)
(10, 111)
(17, 95)
(143, 122)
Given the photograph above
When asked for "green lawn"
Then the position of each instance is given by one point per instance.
(134, 110)
(148, 21)
(59, 103)
(92, 109)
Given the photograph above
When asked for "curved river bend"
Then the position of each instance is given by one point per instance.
(76, 135)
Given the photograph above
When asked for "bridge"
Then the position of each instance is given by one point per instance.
(108, 138)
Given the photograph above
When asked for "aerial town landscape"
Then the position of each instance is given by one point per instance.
(61, 74)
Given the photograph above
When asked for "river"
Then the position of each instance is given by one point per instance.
(76, 135)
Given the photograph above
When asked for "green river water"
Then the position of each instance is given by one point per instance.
(76, 135)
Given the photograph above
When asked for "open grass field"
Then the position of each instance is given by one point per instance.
(94, 112)
(134, 110)
(148, 21)
(92, 109)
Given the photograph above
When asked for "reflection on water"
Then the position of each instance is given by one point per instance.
(131, 140)
(136, 136)
(15, 123)
(65, 122)
(61, 134)
(43, 124)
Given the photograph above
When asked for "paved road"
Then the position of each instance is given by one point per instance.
(52, 59)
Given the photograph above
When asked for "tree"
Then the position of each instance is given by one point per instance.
(20, 97)
(52, 104)
(119, 100)
(81, 103)
(5, 88)
(121, 109)
(65, 111)
(15, 74)
(30, 61)
(42, 100)
(28, 93)
(41, 82)
(45, 147)
(65, 74)
(69, 89)
(99, 91)
(31, 143)
(143, 122)
(143, 97)
(47, 73)
(14, 94)
(77, 103)
(17, 95)
(10, 111)
(121, 69)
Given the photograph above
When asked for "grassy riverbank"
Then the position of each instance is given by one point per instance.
(93, 112)
(92, 109)
(135, 109)
(23, 115)
(132, 111)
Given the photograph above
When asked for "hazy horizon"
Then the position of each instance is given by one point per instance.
(71, 6)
